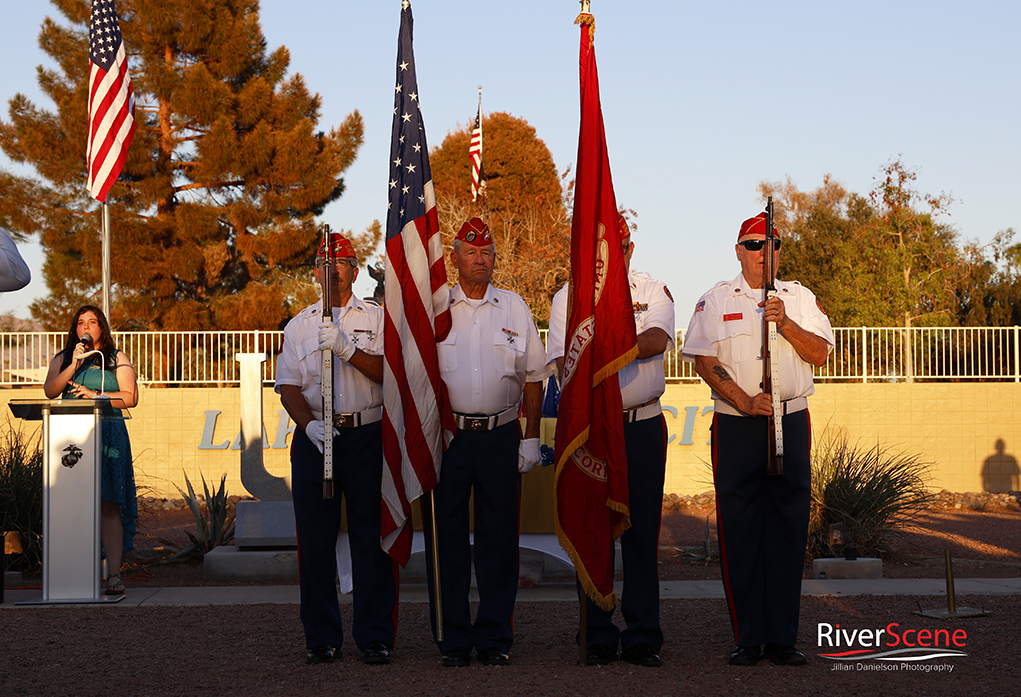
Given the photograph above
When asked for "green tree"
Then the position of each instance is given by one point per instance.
(524, 204)
(214, 214)
(880, 260)
(991, 295)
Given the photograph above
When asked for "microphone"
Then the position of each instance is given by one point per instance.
(86, 340)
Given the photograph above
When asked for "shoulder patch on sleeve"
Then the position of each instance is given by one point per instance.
(819, 305)
(667, 291)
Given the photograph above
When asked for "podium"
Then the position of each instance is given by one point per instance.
(72, 487)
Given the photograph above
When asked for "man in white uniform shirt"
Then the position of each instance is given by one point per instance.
(642, 382)
(490, 359)
(762, 519)
(356, 338)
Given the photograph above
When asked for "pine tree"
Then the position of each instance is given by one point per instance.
(213, 218)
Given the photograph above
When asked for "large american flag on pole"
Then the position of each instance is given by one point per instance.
(416, 411)
(475, 152)
(111, 100)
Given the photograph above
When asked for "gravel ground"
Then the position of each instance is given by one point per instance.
(258, 649)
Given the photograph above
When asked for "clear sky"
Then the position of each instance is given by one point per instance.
(702, 101)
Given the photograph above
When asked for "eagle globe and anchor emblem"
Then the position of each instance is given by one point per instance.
(72, 456)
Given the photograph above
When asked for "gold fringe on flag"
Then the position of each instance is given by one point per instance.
(586, 19)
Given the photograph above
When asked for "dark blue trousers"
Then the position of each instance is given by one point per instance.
(639, 545)
(358, 472)
(486, 462)
(763, 525)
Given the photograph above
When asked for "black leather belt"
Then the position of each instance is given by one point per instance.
(485, 422)
(358, 418)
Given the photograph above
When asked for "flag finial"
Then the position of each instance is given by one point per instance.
(586, 19)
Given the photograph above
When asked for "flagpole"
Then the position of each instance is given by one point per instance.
(106, 260)
(434, 545)
(582, 596)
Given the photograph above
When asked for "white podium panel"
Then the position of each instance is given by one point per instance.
(72, 487)
(71, 479)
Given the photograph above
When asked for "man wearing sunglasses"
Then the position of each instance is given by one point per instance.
(762, 519)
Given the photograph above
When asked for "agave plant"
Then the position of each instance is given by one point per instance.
(706, 551)
(875, 491)
(217, 529)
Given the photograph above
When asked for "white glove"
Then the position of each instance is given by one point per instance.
(333, 338)
(528, 455)
(316, 432)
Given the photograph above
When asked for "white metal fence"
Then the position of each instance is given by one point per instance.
(865, 354)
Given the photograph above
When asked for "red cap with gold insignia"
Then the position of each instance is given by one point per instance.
(475, 232)
(753, 226)
(625, 229)
(340, 247)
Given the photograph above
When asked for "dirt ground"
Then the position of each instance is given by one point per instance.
(258, 649)
(984, 543)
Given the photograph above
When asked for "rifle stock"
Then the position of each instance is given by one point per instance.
(770, 364)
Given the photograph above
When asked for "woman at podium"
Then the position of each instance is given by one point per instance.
(90, 367)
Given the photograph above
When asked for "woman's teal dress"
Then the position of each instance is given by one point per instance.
(117, 473)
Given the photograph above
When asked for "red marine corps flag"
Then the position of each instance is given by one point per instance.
(591, 474)
(416, 410)
(111, 100)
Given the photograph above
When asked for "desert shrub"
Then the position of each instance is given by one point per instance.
(875, 491)
(21, 493)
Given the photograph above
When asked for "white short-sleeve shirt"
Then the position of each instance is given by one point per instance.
(492, 350)
(642, 380)
(300, 361)
(727, 324)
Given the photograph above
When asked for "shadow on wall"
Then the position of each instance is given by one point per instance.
(1000, 472)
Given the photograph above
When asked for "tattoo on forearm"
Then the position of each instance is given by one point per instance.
(722, 374)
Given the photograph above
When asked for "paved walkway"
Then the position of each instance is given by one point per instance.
(416, 593)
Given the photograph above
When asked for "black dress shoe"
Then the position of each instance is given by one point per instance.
(641, 655)
(600, 655)
(493, 657)
(457, 657)
(322, 654)
(744, 656)
(376, 653)
(784, 655)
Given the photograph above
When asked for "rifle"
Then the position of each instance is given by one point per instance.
(770, 363)
(326, 380)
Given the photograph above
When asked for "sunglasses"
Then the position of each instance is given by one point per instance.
(756, 245)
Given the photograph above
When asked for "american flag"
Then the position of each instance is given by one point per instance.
(111, 100)
(475, 153)
(417, 420)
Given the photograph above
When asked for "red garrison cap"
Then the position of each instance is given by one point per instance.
(755, 226)
(475, 232)
(340, 247)
(625, 229)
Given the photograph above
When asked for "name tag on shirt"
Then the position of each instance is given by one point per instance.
(733, 316)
